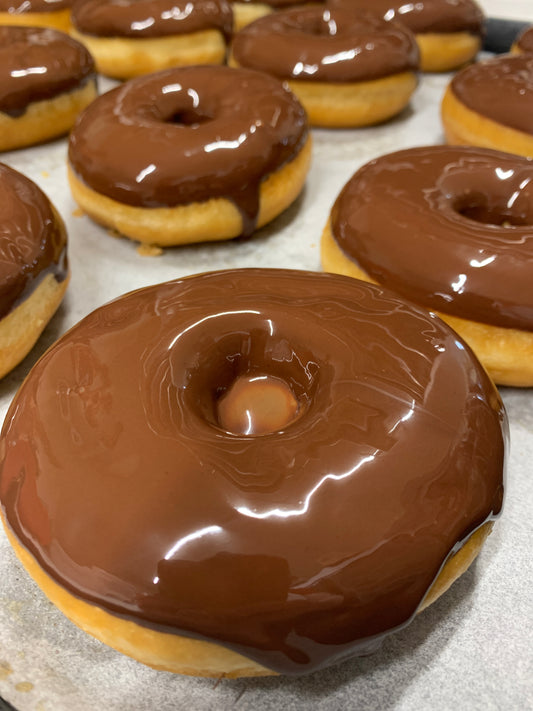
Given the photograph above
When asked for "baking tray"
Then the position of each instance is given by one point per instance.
(470, 650)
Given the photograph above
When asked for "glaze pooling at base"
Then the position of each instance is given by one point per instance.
(296, 547)
(450, 228)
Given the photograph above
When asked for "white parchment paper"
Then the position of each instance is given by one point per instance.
(470, 650)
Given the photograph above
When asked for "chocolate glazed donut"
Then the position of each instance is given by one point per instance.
(449, 228)
(46, 78)
(129, 38)
(143, 472)
(348, 69)
(33, 265)
(201, 135)
(490, 104)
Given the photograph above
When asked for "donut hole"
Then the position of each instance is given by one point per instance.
(251, 383)
(485, 209)
(189, 117)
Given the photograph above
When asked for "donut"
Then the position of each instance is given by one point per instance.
(246, 11)
(347, 69)
(490, 104)
(251, 471)
(33, 265)
(448, 32)
(524, 42)
(46, 79)
(450, 229)
(36, 13)
(129, 38)
(218, 152)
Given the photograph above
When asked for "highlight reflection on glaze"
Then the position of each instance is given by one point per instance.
(316, 44)
(38, 64)
(500, 89)
(199, 133)
(151, 18)
(450, 228)
(32, 239)
(17, 7)
(296, 547)
(424, 16)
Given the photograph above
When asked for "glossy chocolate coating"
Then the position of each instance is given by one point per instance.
(296, 548)
(450, 228)
(37, 64)
(525, 40)
(32, 239)
(151, 18)
(500, 89)
(199, 133)
(18, 7)
(316, 44)
(423, 16)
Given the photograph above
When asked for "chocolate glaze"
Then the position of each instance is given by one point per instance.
(199, 133)
(316, 44)
(38, 64)
(18, 7)
(450, 228)
(297, 548)
(151, 18)
(32, 239)
(424, 16)
(500, 89)
(525, 40)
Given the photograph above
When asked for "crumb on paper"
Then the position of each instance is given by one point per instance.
(5, 670)
(45, 173)
(313, 245)
(24, 686)
(78, 212)
(149, 250)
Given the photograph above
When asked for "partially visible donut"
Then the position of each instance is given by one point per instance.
(448, 32)
(524, 42)
(252, 471)
(129, 38)
(348, 69)
(46, 79)
(490, 104)
(246, 11)
(36, 13)
(450, 229)
(218, 152)
(33, 265)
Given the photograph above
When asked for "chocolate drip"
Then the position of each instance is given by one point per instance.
(32, 239)
(450, 228)
(199, 133)
(316, 44)
(500, 89)
(38, 64)
(424, 16)
(151, 18)
(298, 546)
